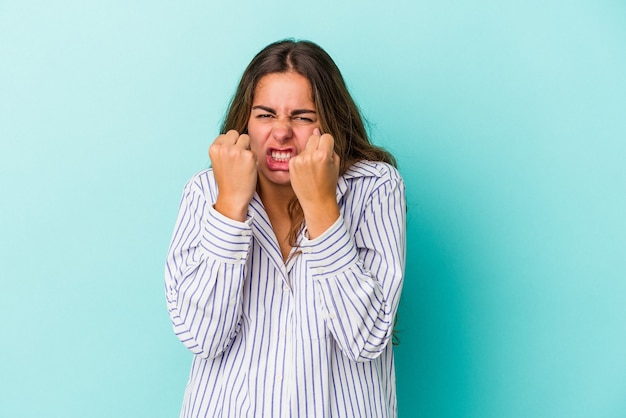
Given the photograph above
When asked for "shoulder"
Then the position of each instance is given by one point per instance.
(377, 171)
(364, 180)
(202, 182)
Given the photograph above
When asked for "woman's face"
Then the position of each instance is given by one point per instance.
(282, 119)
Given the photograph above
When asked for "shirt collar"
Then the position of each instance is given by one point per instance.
(358, 169)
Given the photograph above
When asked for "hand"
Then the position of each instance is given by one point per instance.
(235, 169)
(313, 174)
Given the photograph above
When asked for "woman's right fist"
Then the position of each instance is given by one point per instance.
(235, 170)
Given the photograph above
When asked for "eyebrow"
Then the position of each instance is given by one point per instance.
(295, 112)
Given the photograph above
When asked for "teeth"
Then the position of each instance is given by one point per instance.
(281, 156)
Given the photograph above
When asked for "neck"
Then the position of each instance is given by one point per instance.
(275, 196)
(276, 203)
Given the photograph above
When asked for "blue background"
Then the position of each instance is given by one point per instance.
(509, 123)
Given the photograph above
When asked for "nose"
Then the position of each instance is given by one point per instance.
(282, 131)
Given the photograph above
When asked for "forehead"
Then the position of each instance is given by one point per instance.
(281, 87)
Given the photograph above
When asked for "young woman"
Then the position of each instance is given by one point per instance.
(286, 264)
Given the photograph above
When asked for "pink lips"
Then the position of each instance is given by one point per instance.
(278, 159)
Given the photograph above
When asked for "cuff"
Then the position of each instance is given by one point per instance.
(226, 238)
(331, 252)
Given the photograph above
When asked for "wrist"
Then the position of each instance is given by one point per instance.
(232, 210)
(320, 217)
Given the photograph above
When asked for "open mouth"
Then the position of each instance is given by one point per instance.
(278, 159)
(281, 156)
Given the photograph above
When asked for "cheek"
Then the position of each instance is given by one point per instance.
(256, 135)
(303, 136)
(256, 147)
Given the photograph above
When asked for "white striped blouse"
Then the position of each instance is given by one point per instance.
(309, 338)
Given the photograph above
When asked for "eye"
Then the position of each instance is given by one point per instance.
(264, 116)
(302, 119)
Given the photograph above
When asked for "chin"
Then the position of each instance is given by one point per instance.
(279, 178)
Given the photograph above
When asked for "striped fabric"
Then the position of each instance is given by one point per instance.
(309, 338)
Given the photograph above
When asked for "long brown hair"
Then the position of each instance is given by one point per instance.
(338, 113)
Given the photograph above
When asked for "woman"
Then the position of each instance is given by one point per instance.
(286, 264)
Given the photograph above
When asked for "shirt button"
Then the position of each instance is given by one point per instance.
(232, 302)
(331, 315)
(319, 270)
(286, 288)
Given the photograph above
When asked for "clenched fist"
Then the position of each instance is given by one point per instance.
(235, 169)
(313, 174)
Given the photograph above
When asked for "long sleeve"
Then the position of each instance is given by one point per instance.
(205, 271)
(358, 272)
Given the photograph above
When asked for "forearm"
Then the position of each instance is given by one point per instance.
(320, 217)
(204, 275)
(357, 302)
(205, 307)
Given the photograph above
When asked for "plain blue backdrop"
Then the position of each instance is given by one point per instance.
(509, 123)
